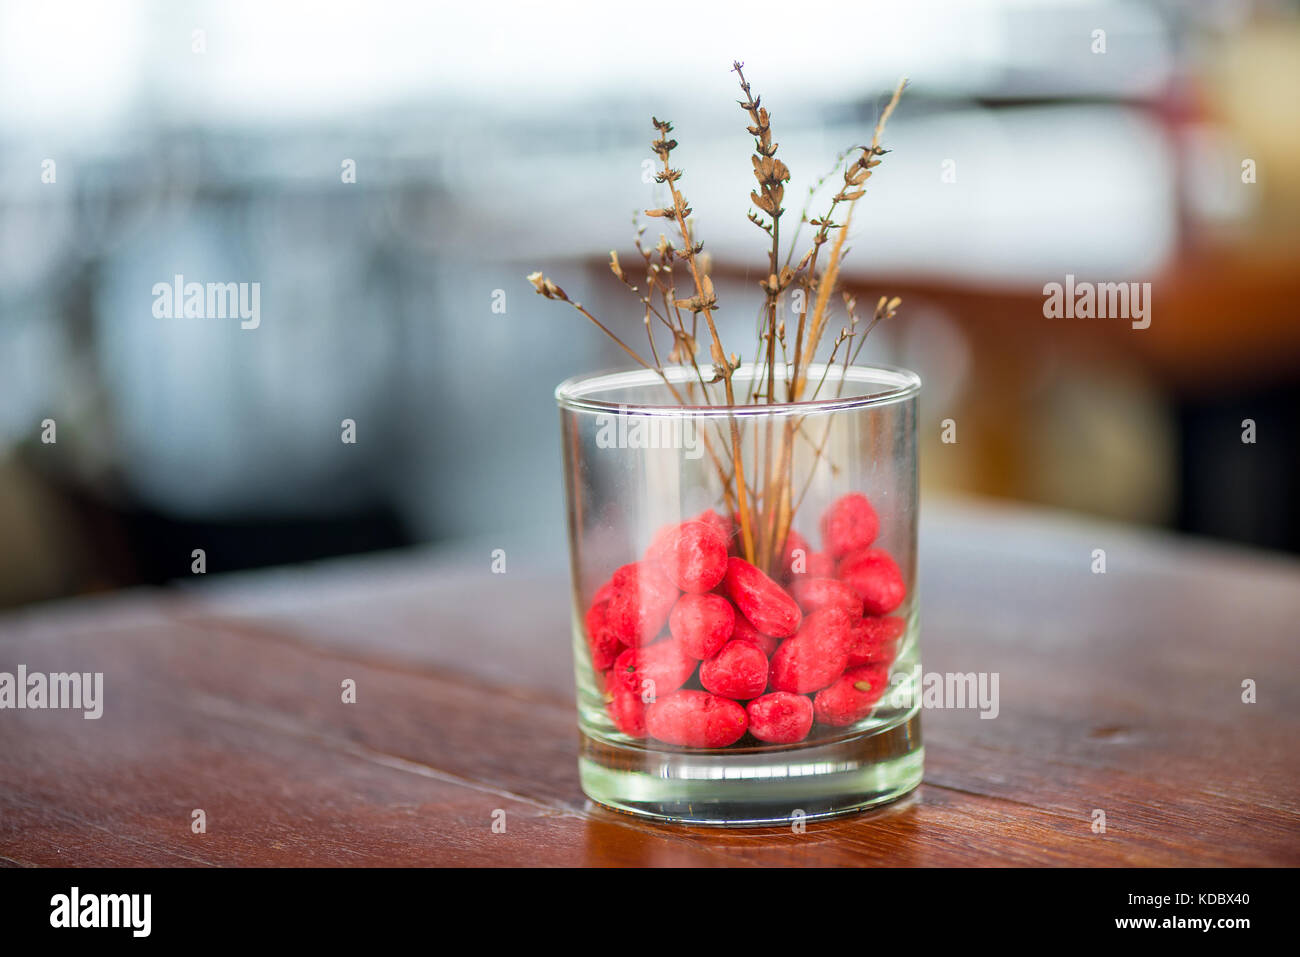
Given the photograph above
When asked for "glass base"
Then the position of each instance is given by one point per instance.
(756, 786)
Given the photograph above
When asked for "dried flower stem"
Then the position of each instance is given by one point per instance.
(703, 303)
(772, 175)
(855, 176)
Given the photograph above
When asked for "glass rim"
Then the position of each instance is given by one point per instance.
(575, 393)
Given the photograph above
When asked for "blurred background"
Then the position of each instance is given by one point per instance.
(389, 173)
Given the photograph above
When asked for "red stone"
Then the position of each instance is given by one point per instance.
(875, 640)
(852, 696)
(626, 710)
(745, 631)
(780, 717)
(815, 656)
(696, 719)
(693, 556)
(653, 670)
(601, 639)
(815, 593)
(849, 525)
(738, 671)
(702, 623)
(643, 597)
(876, 578)
(765, 603)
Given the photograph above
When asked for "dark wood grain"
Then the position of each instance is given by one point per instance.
(1119, 691)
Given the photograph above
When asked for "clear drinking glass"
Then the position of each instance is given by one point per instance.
(656, 739)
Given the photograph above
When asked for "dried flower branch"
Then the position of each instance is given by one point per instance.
(763, 504)
(550, 290)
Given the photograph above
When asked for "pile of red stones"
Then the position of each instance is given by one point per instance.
(696, 646)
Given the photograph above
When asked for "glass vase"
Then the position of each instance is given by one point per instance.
(745, 631)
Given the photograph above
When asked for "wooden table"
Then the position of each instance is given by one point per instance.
(1120, 692)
